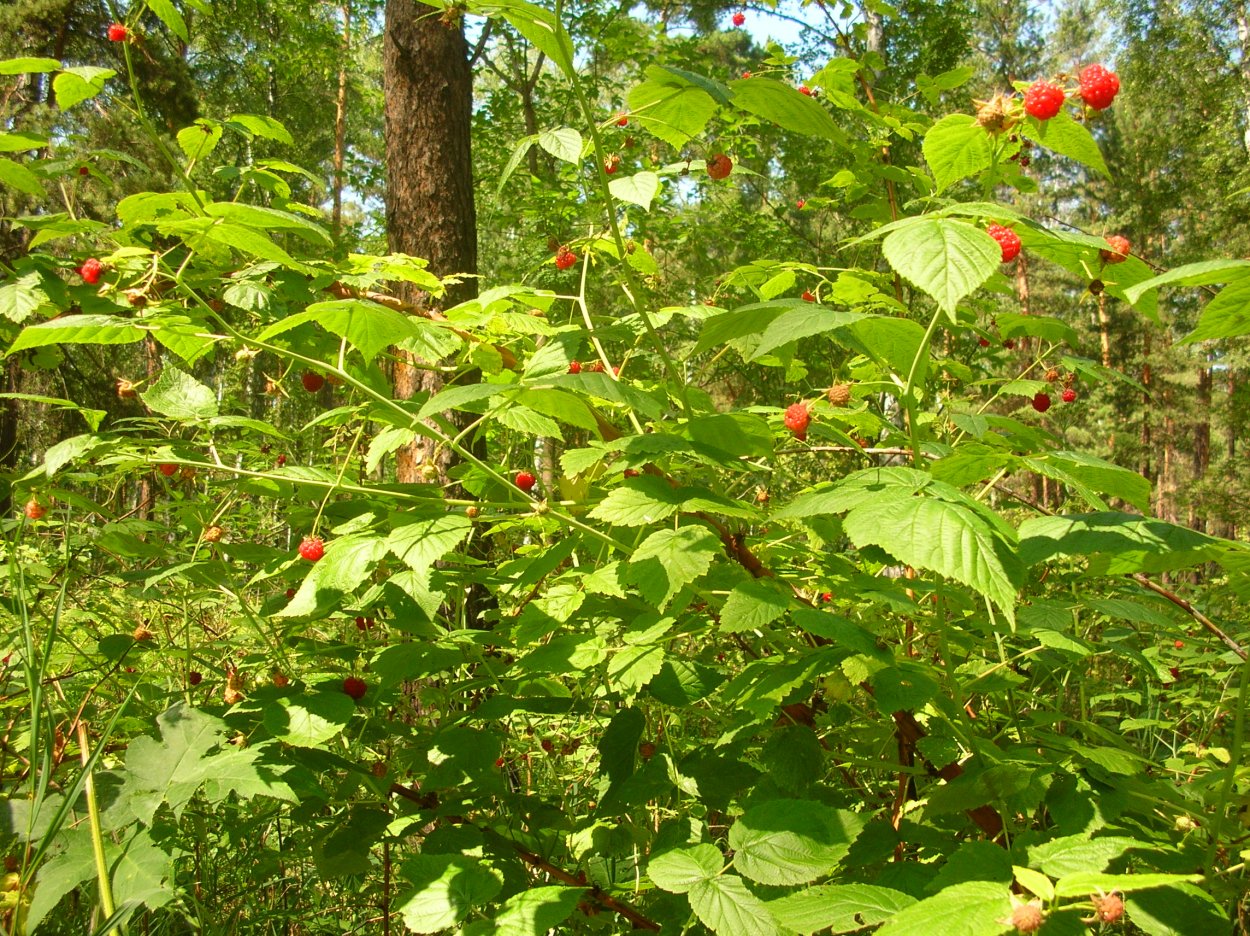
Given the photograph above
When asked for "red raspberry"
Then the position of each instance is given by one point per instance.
(575, 367)
(746, 75)
(1007, 239)
(525, 481)
(290, 593)
(84, 170)
(167, 469)
(596, 367)
(565, 258)
(36, 511)
(983, 342)
(808, 296)
(355, 687)
(1175, 672)
(90, 271)
(1041, 402)
(611, 164)
(195, 677)
(826, 596)
(312, 548)
(1119, 249)
(280, 461)
(622, 120)
(804, 89)
(1099, 86)
(1069, 395)
(630, 472)
(739, 19)
(1043, 100)
(312, 382)
(1010, 344)
(719, 166)
(797, 419)
(118, 33)
(1179, 644)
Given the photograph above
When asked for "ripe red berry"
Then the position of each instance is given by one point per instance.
(800, 203)
(1043, 100)
(548, 745)
(596, 367)
(797, 420)
(826, 596)
(623, 120)
(118, 33)
(355, 687)
(1174, 672)
(84, 170)
(90, 271)
(739, 19)
(1041, 402)
(1010, 344)
(808, 296)
(1099, 86)
(611, 164)
(1007, 239)
(1179, 644)
(280, 461)
(630, 472)
(565, 258)
(575, 367)
(746, 75)
(290, 593)
(525, 481)
(804, 89)
(168, 469)
(312, 548)
(312, 382)
(34, 510)
(719, 166)
(499, 761)
(983, 342)
(1119, 251)
(195, 677)
(1069, 395)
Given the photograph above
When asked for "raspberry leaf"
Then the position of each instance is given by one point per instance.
(957, 147)
(947, 259)
(1063, 135)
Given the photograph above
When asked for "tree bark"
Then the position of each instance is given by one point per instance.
(340, 121)
(429, 173)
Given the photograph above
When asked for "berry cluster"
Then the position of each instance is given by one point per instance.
(1007, 239)
(565, 258)
(797, 419)
(719, 166)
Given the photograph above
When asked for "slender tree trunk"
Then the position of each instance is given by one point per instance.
(429, 174)
(1145, 468)
(1243, 37)
(1104, 329)
(340, 121)
(1202, 439)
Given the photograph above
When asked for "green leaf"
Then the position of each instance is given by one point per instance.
(969, 909)
(348, 562)
(1115, 543)
(637, 189)
(269, 219)
(75, 85)
(1075, 854)
(534, 912)
(752, 605)
(792, 841)
(257, 125)
(948, 259)
(71, 865)
(941, 536)
(422, 542)
(180, 396)
(23, 66)
(731, 436)
(845, 908)
(141, 872)
(678, 870)
(21, 297)
(957, 147)
(671, 107)
(785, 106)
(1063, 135)
(1225, 316)
(1203, 273)
(802, 322)
(448, 888)
(638, 502)
(309, 719)
(619, 744)
(565, 144)
(668, 560)
(367, 326)
(725, 906)
(1084, 884)
(1100, 475)
(170, 770)
(540, 27)
(21, 142)
(250, 241)
(169, 15)
(16, 176)
(1179, 910)
(78, 329)
(632, 668)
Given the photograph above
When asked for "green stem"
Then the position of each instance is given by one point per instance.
(1234, 762)
(909, 400)
(97, 835)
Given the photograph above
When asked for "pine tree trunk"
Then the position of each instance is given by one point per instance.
(429, 174)
(340, 121)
